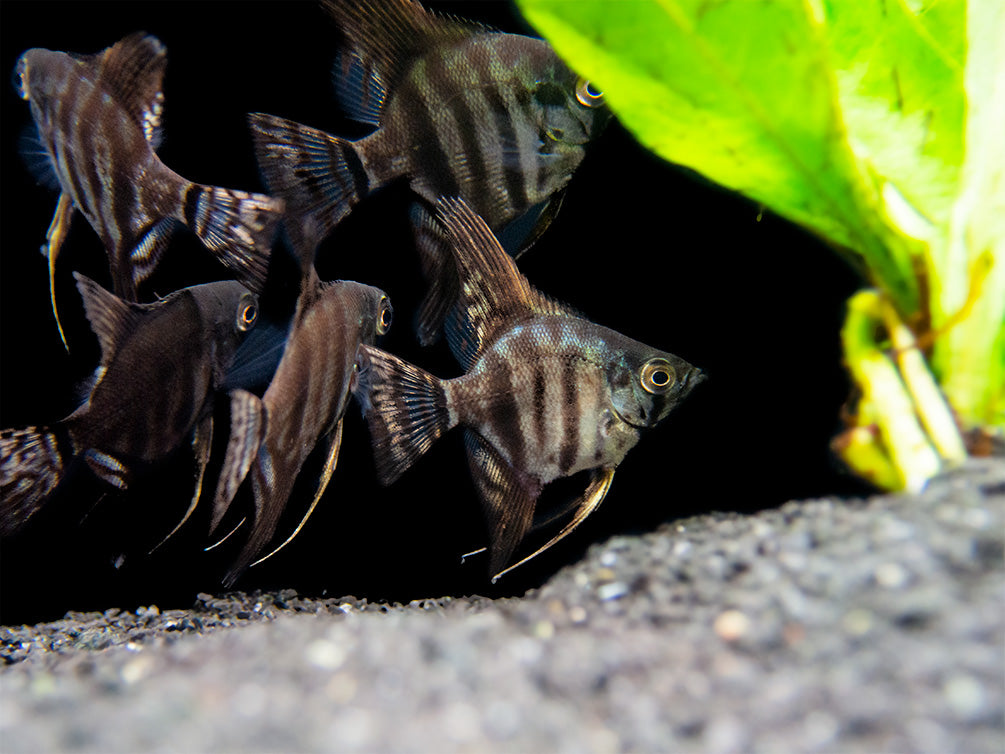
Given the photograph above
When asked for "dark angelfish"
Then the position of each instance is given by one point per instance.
(301, 409)
(546, 393)
(98, 119)
(461, 110)
(161, 364)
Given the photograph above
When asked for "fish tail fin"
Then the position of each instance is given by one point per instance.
(31, 466)
(406, 408)
(316, 173)
(237, 226)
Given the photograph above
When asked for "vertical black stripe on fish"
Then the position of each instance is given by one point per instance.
(124, 196)
(194, 218)
(92, 113)
(456, 77)
(504, 110)
(429, 160)
(570, 415)
(506, 412)
(540, 408)
(347, 156)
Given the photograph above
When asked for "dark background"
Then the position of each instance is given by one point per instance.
(641, 246)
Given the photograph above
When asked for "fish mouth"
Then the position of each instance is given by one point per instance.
(627, 421)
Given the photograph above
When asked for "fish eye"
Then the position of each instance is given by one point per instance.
(588, 95)
(384, 317)
(657, 376)
(247, 312)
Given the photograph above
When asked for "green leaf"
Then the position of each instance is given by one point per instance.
(969, 291)
(744, 93)
(902, 101)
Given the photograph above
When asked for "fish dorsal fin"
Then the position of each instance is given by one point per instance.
(388, 36)
(493, 294)
(111, 318)
(132, 71)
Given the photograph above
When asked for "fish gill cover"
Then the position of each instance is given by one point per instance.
(707, 288)
(877, 126)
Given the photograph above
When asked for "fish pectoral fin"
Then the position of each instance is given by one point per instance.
(331, 459)
(54, 237)
(247, 430)
(588, 502)
(508, 499)
(202, 444)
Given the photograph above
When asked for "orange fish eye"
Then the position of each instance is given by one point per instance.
(247, 313)
(384, 318)
(587, 95)
(657, 376)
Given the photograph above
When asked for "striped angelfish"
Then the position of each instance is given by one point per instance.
(301, 409)
(98, 120)
(160, 367)
(545, 394)
(460, 110)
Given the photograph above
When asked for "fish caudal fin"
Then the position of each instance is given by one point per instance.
(405, 407)
(31, 466)
(316, 173)
(237, 226)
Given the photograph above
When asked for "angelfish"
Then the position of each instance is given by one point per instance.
(461, 110)
(160, 366)
(545, 394)
(301, 409)
(98, 119)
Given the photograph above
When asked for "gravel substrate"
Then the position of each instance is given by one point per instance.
(822, 625)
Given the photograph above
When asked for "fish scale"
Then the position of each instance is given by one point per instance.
(460, 110)
(546, 393)
(302, 407)
(161, 365)
(98, 119)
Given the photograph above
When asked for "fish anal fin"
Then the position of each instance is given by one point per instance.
(508, 499)
(405, 407)
(334, 442)
(111, 318)
(588, 502)
(132, 71)
(202, 444)
(247, 430)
